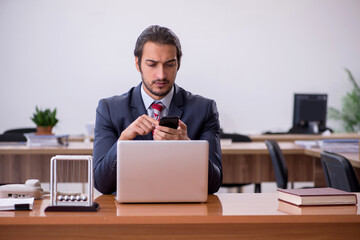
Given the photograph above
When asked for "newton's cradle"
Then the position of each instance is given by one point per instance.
(66, 170)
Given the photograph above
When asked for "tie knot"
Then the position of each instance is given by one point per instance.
(157, 107)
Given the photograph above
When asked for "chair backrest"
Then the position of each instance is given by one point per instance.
(339, 172)
(279, 164)
(20, 130)
(235, 137)
(12, 138)
(15, 135)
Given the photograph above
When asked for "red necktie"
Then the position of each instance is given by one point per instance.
(157, 107)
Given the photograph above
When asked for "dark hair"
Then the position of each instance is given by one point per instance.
(157, 34)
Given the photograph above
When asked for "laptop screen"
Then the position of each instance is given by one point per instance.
(162, 171)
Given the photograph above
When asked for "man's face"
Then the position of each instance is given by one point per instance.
(158, 68)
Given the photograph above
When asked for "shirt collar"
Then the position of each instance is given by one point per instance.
(149, 100)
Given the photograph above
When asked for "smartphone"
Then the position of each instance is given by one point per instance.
(169, 121)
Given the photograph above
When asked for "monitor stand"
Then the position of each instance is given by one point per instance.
(313, 128)
(308, 128)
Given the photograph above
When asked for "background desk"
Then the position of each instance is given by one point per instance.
(250, 163)
(352, 157)
(224, 216)
(294, 137)
(276, 137)
(242, 162)
(19, 163)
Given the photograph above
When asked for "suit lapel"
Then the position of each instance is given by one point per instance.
(138, 108)
(176, 106)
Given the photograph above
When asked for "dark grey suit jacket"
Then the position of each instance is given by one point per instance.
(115, 114)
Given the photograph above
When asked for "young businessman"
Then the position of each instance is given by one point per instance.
(134, 115)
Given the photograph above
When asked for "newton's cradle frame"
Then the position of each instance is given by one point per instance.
(71, 202)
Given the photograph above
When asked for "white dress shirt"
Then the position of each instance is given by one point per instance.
(149, 100)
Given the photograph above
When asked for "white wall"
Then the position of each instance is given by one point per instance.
(250, 56)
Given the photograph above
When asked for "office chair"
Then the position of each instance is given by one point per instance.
(15, 135)
(279, 164)
(339, 172)
(12, 138)
(238, 138)
(20, 130)
(235, 137)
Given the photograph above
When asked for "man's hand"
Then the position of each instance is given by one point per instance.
(141, 126)
(166, 133)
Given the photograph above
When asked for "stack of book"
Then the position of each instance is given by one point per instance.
(317, 196)
(34, 140)
(308, 143)
(317, 210)
(340, 145)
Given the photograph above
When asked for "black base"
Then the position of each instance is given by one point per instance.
(94, 208)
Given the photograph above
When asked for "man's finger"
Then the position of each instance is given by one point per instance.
(150, 119)
(182, 125)
(168, 130)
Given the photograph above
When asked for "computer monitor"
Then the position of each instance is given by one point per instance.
(309, 113)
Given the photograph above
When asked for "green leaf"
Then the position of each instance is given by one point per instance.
(351, 77)
(350, 111)
(44, 117)
(333, 113)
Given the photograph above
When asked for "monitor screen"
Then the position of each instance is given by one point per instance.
(309, 113)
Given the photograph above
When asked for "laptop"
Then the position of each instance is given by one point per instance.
(162, 171)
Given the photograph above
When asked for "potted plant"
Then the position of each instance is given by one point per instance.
(45, 120)
(350, 112)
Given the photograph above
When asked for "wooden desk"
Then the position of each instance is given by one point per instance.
(19, 162)
(277, 137)
(73, 148)
(242, 162)
(251, 163)
(352, 157)
(224, 216)
(294, 137)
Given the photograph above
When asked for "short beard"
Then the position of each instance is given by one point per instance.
(159, 94)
